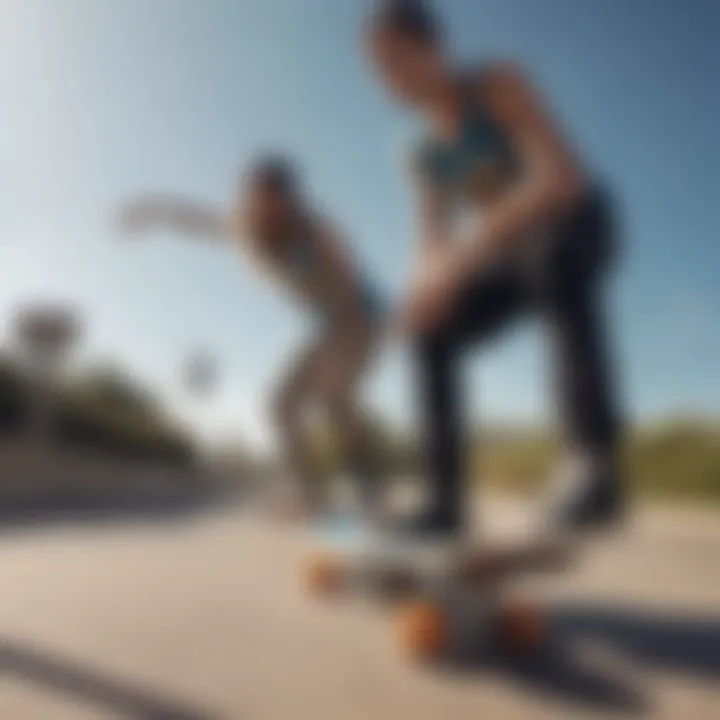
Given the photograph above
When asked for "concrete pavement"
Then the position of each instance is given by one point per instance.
(202, 618)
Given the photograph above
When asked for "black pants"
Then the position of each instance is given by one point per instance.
(556, 277)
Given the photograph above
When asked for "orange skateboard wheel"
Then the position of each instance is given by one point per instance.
(323, 575)
(422, 630)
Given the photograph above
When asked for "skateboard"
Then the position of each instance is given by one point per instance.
(447, 598)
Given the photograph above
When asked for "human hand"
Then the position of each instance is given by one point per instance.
(434, 289)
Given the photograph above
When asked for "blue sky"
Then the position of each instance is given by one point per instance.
(102, 100)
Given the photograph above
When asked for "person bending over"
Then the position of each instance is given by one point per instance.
(303, 253)
(511, 223)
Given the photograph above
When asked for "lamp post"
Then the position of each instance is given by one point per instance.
(200, 378)
(44, 337)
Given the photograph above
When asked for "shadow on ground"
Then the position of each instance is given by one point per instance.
(90, 686)
(595, 653)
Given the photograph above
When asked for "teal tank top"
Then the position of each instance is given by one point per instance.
(474, 164)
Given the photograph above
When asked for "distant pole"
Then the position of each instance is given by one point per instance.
(200, 375)
(200, 380)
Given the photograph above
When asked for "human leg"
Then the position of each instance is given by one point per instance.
(289, 405)
(566, 284)
(484, 307)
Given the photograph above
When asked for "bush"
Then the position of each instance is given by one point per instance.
(93, 429)
(13, 395)
(519, 461)
(678, 459)
(104, 412)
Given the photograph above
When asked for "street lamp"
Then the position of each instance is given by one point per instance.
(44, 337)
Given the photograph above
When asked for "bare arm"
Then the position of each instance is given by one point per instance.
(176, 214)
(432, 224)
(551, 179)
(431, 211)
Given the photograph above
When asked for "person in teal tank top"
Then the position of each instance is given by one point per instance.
(302, 253)
(511, 224)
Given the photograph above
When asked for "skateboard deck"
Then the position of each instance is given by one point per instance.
(445, 594)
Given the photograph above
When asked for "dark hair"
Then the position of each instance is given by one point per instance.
(274, 171)
(412, 18)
